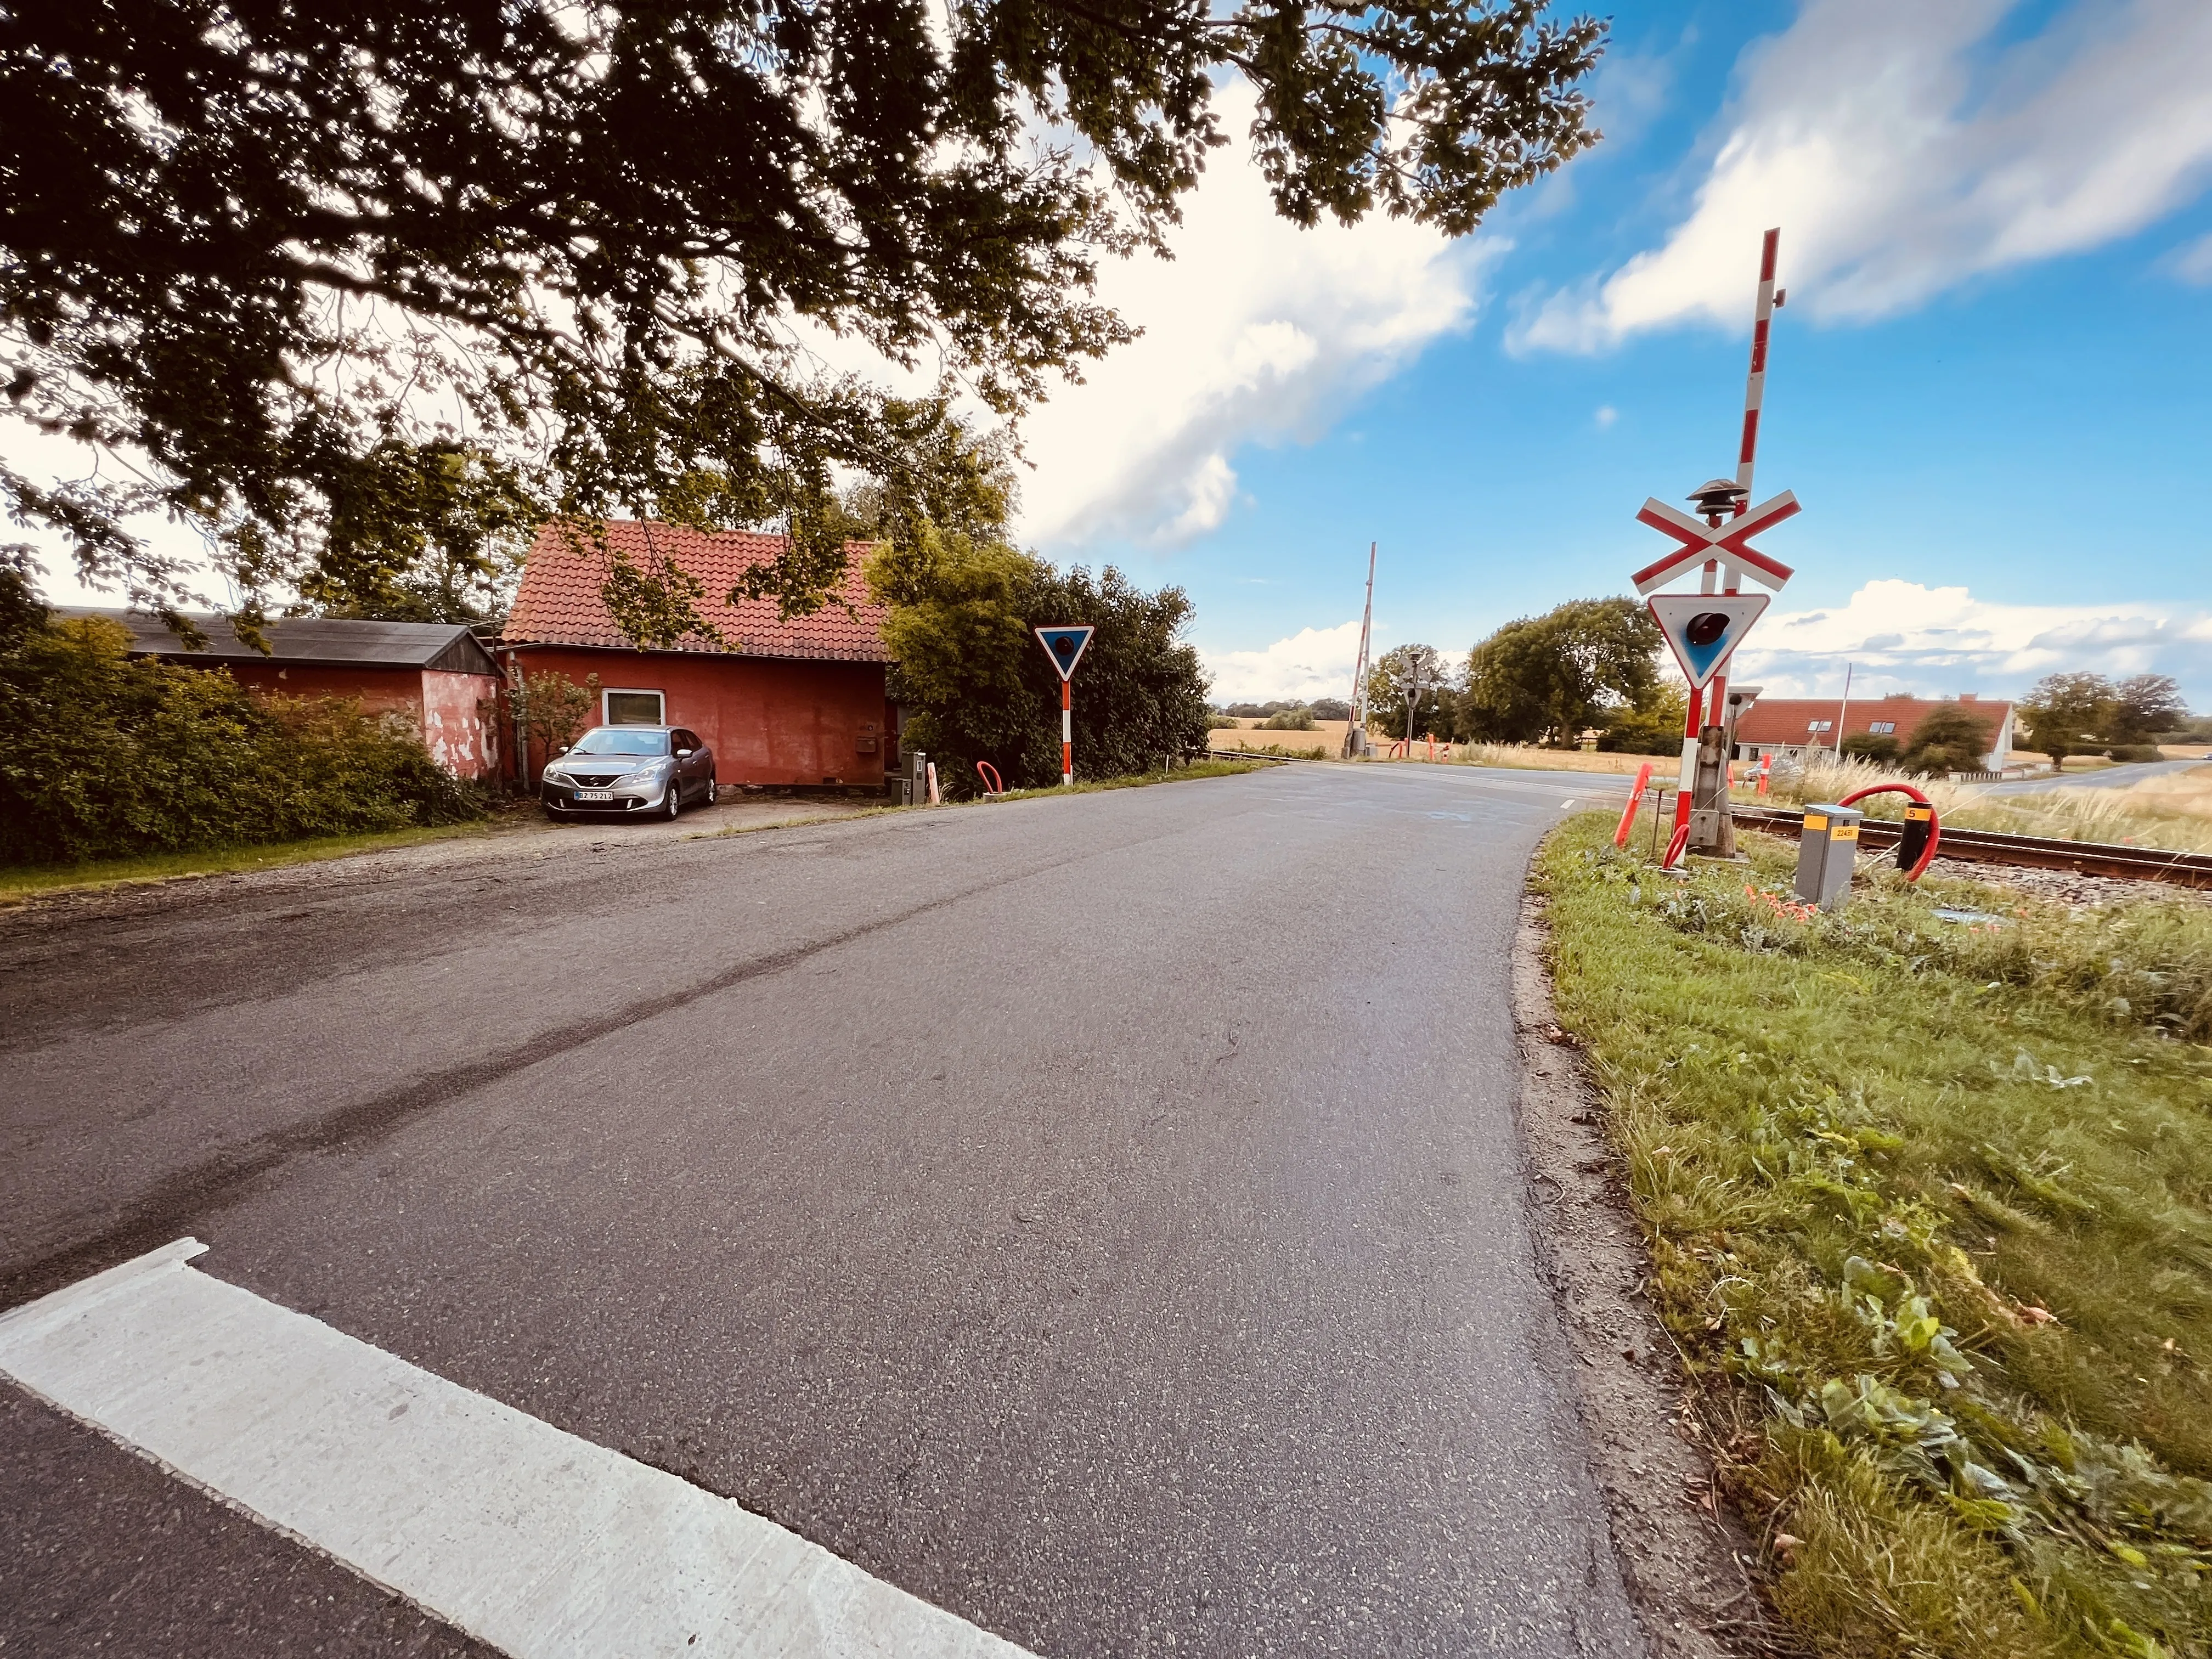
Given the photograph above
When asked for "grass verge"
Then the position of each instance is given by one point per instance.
(26, 881)
(1927, 1211)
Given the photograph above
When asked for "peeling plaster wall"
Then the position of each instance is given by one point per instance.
(461, 736)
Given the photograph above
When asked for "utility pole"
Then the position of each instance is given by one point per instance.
(1355, 734)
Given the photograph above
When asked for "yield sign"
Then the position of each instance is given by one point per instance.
(1730, 543)
(1065, 646)
(1703, 628)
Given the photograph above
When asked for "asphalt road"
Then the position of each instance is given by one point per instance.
(2107, 777)
(1101, 1217)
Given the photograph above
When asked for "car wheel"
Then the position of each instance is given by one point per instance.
(674, 809)
(713, 790)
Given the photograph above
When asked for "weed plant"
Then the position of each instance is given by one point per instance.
(1928, 1209)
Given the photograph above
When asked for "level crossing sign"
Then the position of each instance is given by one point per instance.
(1702, 628)
(1065, 646)
(1730, 542)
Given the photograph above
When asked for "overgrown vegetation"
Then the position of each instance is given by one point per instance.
(102, 756)
(962, 612)
(1928, 1209)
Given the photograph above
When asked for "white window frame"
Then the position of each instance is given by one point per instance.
(606, 715)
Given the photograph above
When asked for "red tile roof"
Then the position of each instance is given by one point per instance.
(1785, 720)
(559, 603)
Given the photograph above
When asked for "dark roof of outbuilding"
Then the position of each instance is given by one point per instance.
(559, 603)
(323, 642)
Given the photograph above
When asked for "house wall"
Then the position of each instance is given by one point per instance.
(381, 687)
(441, 706)
(768, 720)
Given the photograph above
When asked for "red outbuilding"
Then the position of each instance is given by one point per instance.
(436, 675)
(798, 701)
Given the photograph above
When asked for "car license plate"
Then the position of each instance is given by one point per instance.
(595, 794)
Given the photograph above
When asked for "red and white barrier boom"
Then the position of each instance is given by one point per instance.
(1721, 549)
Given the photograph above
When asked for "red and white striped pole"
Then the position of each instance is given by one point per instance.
(1067, 737)
(1754, 397)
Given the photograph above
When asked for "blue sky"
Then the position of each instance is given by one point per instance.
(1989, 387)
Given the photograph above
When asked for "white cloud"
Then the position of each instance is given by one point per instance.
(2193, 263)
(1901, 637)
(1605, 416)
(1314, 662)
(1256, 331)
(1902, 150)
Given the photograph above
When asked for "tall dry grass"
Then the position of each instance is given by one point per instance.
(2173, 813)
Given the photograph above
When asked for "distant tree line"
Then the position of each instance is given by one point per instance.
(1596, 667)
(2082, 714)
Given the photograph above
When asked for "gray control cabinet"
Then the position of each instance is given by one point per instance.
(1827, 850)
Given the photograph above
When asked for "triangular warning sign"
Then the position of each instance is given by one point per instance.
(1703, 628)
(1065, 646)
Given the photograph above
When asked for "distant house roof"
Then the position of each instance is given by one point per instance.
(560, 603)
(323, 642)
(1775, 721)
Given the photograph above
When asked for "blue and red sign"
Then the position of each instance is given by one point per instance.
(1065, 646)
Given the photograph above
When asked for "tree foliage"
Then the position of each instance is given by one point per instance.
(2064, 711)
(1880, 748)
(2144, 705)
(1950, 738)
(1651, 725)
(1549, 678)
(980, 687)
(287, 260)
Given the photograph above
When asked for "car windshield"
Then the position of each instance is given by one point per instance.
(616, 740)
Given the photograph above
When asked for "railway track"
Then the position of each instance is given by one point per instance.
(1985, 846)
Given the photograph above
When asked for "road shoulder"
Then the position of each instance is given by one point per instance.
(1681, 1552)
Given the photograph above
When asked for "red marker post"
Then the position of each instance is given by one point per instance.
(1065, 646)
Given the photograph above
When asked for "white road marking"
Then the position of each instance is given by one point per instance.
(528, 1538)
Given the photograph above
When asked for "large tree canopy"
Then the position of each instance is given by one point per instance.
(1546, 678)
(288, 259)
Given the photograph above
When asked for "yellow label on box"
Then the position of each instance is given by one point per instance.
(1816, 820)
(1845, 832)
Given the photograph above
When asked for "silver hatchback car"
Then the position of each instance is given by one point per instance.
(637, 771)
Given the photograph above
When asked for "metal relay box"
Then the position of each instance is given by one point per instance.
(1827, 851)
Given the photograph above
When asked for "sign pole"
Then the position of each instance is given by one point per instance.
(1067, 735)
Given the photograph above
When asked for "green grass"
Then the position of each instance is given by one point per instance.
(1930, 1214)
(26, 881)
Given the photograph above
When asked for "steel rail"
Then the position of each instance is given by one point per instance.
(2086, 858)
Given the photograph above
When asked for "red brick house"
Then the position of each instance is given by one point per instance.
(438, 675)
(787, 702)
(1793, 725)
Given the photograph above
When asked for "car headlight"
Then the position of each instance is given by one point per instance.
(643, 774)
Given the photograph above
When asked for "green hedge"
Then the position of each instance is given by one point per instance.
(103, 757)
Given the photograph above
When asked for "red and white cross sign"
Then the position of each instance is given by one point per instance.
(1730, 543)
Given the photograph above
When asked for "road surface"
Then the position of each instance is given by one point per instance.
(2105, 777)
(1101, 1216)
